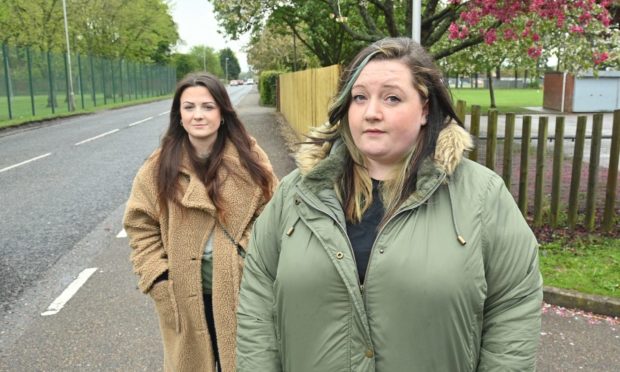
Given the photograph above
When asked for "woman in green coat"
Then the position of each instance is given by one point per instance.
(388, 250)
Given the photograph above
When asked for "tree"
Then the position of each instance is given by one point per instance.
(274, 51)
(140, 30)
(229, 63)
(186, 63)
(463, 24)
(208, 60)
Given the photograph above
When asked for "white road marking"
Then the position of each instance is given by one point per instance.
(164, 113)
(140, 121)
(24, 162)
(96, 137)
(69, 292)
(122, 234)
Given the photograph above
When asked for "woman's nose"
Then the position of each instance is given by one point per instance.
(373, 110)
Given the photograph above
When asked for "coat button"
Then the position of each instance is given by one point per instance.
(297, 201)
(369, 353)
(381, 251)
(339, 255)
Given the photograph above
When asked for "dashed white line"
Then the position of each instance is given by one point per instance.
(96, 137)
(69, 292)
(140, 121)
(122, 234)
(24, 162)
(164, 113)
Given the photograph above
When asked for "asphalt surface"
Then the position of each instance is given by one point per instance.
(109, 325)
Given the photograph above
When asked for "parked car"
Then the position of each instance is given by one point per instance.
(249, 82)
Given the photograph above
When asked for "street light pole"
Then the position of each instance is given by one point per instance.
(70, 79)
(226, 70)
(416, 20)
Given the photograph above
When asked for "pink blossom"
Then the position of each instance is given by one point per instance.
(576, 29)
(599, 58)
(509, 34)
(464, 33)
(453, 31)
(534, 52)
(490, 36)
(535, 37)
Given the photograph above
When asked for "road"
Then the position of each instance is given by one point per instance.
(61, 216)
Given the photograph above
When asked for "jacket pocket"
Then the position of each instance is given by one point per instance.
(165, 303)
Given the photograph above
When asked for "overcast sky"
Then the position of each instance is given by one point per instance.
(197, 26)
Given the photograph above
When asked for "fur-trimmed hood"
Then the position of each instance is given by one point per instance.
(452, 143)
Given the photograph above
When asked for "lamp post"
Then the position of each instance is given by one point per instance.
(416, 20)
(70, 79)
(226, 70)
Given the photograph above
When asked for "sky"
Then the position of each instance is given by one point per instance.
(196, 25)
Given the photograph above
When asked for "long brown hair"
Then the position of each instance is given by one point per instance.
(176, 141)
(355, 187)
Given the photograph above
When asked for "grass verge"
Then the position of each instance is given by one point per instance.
(89, 110)
(507, 100)
(588, 265)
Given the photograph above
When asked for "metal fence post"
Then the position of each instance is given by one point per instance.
(79, 59)
(92, 79)
(50, 79)
(30, 86)
(5, 55)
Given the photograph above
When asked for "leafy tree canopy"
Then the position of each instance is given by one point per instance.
(531, 27)
(229, 62)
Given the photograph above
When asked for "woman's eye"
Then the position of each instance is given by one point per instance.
(358, 97)
(187, 108)
(392, 99)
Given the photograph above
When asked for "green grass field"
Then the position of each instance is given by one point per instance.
(22, 107)
(507, 100)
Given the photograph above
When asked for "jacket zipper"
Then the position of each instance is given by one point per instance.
(372, 249)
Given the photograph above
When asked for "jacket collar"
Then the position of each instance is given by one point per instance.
(235, 182)
(322, 165)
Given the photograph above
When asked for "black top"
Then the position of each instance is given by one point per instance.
(363, 234)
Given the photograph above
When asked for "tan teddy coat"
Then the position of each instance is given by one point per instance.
(176, 242)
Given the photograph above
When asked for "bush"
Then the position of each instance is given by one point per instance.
(267, 87)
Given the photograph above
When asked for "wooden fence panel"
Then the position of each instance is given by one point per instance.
(474, 129)
(573, 198)
(508, 142)
(612, 176)
(305, 96)
(543, 123)
(595, 155)
(558, 156)
(491, 139)
(526, 136)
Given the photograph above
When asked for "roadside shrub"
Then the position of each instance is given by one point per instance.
(267, 87)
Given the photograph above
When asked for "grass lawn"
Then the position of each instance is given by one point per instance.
(588, 266)
(22, 107)
(507, 100)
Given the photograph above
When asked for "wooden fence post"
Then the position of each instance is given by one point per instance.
(612, 175)
(508, 141)
(523, 168)
(474, 129)
(491, 139)
(595, 154)
(558, 156)
(461, 109)
(543, 123)
(573, 198)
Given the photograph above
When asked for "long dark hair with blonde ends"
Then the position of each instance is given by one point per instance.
(355, 187)
(176, 142)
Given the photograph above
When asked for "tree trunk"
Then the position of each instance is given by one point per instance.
(516, 77)
(525, 77)
(491, 92)
(498, 72)
(476, 79)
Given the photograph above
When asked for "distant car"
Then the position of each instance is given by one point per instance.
(234, 83)
(249, 82)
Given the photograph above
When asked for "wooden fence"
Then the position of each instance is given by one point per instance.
(305, 96)
(566, 190)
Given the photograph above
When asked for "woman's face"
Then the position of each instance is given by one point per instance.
(201, 118)
(385, 115)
